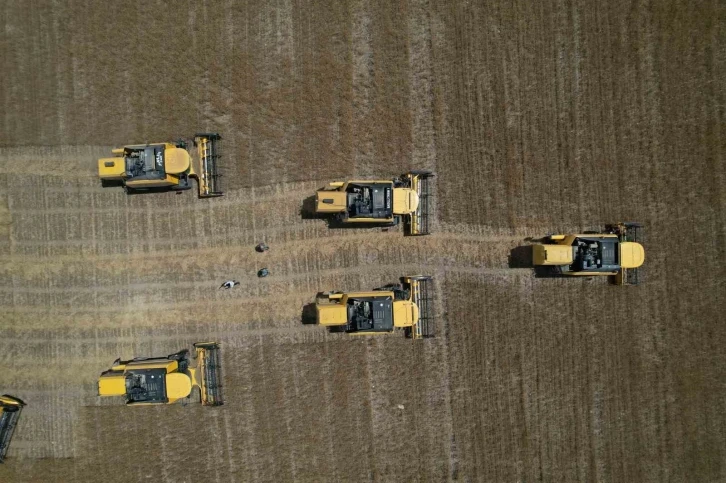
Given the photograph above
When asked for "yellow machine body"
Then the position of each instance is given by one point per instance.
(407, 306)
(165, 166)
(330, 201)
(379, 202)
(178, 385)
(405, 313)
(165, 380)
(614, 252)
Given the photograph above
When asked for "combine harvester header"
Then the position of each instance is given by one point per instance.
(10, 409)
(164, 380)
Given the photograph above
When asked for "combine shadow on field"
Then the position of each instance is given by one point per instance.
(307, 210)
(309, 316)
(521, 257)
(111, 183)
(116, 184)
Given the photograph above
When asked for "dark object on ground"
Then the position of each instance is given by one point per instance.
(263, 272)
(262, 247)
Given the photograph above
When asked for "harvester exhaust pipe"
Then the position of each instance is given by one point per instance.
(10, 409)
(209, 373)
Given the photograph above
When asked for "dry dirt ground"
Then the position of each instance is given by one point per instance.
(538, 116)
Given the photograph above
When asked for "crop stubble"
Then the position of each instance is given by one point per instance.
(536, 116)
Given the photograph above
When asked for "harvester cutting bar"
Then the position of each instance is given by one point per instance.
(418, 222)
(209, 155)
(10, 409)
(422, 295)
(210, 368)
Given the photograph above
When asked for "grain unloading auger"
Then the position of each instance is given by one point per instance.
(10, 409)
(166, 166)
(164, 380)
(380, 202)
(407, 305)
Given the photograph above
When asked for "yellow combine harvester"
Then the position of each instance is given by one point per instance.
(407, 306)
(380, 202)
(10, 409)
(165, 166)
(614, 252)
(164, 380)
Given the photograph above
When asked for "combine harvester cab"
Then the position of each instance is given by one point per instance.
(165, 166)
(615, 252)
(165, 380)
(10, 409)
(380, 202)
(407, 306)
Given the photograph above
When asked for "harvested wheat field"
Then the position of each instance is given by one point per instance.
(537, 117)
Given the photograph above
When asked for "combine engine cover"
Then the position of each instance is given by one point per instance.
(418, 222)
(209, 367)
(421, 290)
(10, 409)
(208, 155)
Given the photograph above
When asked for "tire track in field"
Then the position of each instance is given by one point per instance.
(282, 254)
(149, 313)
(311, 236)
(287, 192)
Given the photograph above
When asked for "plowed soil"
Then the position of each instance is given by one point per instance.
(537, 117)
